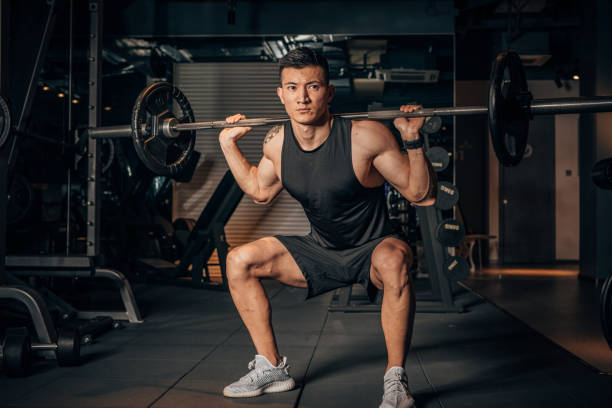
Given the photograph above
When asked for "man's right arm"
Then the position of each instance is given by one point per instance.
(260, 183)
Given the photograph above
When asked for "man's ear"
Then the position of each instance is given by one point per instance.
(279, 92)
(331, 89)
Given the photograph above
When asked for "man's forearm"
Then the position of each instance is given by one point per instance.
(244, 173)
(422, 180)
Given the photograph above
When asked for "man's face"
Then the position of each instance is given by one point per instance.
(305, 94)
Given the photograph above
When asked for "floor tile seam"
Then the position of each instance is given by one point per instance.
(428, 379)
(193, 368)
(548, 340)
(314, 350)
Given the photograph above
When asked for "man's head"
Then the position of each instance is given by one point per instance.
(303, 57)
(304, 88)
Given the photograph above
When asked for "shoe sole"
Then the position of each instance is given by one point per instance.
(276, 386)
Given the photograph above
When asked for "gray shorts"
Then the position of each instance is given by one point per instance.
(327, 269)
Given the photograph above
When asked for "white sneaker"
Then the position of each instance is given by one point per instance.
(397, 393)
(263, 378)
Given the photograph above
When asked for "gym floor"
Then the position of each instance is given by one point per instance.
(192, 344)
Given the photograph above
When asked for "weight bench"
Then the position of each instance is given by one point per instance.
(70, 267)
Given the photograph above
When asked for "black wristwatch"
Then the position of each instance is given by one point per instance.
(413, 144)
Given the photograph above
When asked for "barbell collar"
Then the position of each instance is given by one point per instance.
(571, 105)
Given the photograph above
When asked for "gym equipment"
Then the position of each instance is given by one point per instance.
(5, 121)
(450, 232)
(439, 158)
(456, 268)
(16, 357)
(201, 238)
(602, 174)
(18, 347)
(164, 142)
(605, 308)
(447, 195)
(20, 198)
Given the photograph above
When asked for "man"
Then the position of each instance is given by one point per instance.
(336, 169)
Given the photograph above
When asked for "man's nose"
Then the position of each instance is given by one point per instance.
(303, 95)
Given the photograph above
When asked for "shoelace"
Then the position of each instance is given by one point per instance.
(254, 374)
(397, 384)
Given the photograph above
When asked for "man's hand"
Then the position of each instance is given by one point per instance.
(409, 127)
(234, 134)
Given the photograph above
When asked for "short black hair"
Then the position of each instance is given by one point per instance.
(304, 57)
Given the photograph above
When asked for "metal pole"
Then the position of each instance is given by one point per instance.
(69, 132)
(95, 88)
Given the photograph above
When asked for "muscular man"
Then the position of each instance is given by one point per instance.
(336, 169)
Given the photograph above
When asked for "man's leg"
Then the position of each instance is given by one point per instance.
(390, 271)
(265, 258)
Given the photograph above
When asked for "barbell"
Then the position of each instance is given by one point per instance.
(165, 141)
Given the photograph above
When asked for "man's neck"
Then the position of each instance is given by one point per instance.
(312, 136)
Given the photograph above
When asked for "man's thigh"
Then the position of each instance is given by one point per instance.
(269, 259)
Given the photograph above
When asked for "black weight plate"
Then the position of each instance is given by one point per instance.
(447, 196)
(450, 232)
(602, 174)
(16, 359)
(509, 113)
(438, 157)
(5, 121)
(68, 350)
(605, 310)
(456, 268)
(164, 156)
(432, 125)
(19, 201)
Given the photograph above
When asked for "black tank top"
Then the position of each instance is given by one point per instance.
(342, 212)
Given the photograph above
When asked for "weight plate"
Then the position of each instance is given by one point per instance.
(605, 309)
(602, 174)
(68, 348)
(447, 195)
(108, 154)
(438, 157)
(509, 112)
(450, 232)
(164, 156)
(456, 268)
(19, 199)
(16, 359)
(432, 125)
(5, 121)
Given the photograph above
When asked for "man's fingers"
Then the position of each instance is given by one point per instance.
(235, 118)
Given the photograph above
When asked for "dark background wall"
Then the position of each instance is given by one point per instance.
(576, 36)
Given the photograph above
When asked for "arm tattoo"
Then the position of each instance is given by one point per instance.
(271, 133)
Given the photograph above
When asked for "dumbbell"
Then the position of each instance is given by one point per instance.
(17, 349)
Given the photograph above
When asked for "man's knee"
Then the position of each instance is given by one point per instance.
(239, 264)
(392, 265)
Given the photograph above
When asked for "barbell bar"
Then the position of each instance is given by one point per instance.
(171, 128)
(164, 141)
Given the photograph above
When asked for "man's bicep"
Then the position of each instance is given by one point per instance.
(394, 167)
(269, 183)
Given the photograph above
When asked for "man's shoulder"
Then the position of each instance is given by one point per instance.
(273, 141)
(372, 135)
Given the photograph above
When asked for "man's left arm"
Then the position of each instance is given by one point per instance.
(411, 174)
